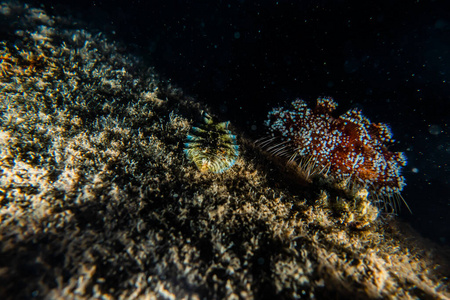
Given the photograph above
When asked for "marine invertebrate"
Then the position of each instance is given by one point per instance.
(349, 148)
(211, 146)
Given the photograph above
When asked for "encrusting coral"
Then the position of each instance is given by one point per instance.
(99, 201)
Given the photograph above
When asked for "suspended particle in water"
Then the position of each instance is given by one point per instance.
(211, 146)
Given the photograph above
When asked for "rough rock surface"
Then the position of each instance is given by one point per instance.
(98, 200)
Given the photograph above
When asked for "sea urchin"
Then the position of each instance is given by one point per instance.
(349, 148)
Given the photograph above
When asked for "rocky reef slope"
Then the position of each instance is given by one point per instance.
(98, 200)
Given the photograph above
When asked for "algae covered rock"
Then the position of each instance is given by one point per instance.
(97, 199)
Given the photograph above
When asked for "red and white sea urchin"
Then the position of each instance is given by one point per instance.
(348, 147)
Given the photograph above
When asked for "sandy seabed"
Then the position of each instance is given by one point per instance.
(97, 199)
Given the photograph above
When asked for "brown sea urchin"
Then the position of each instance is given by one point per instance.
(348, 147)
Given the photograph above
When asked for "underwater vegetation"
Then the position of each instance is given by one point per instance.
(211, 146)
(21, 62)
(348, 148)
(97, 201)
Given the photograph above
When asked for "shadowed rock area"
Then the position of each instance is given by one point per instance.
(97, 199)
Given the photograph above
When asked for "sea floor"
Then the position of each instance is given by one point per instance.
(98, 200)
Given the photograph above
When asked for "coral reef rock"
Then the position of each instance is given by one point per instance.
(97, 199)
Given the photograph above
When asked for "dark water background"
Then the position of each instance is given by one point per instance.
(389, 58)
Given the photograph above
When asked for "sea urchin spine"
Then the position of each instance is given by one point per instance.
(211, 146)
